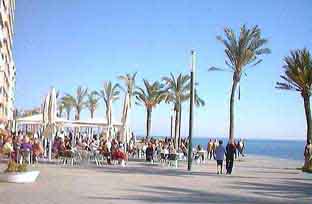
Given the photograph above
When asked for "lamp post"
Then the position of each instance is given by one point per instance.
(190, 146)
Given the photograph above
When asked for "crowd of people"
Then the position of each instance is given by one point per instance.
(21, 147)
(162, 149)
(213, 144)
(158, 149)
(232, 151)
(112, 150)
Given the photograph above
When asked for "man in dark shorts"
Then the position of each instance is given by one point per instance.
(219, 155)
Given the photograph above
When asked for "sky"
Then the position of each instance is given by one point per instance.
(76, 42)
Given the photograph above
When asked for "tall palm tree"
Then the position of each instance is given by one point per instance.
(129, 83)
(298, 77)
(110, 93)
(68, 105)
(177, 92)
(92, 102)
(129, 88)
(78, 101)
(150, 98)
(241, 52)
(60, 108)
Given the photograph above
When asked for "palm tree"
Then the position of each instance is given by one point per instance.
(129, 82)
(298, 77)
(177, 92)
(240, 52)
(60, 107)
(92, 102)
(32, 111)
(78, 101)
(110, 93)
(68, 105)
(150, 97)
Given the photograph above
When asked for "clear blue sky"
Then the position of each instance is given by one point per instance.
(76, 42)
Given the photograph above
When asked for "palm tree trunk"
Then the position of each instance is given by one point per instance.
(176, 128)
(171, 126)
(68, 114)
(180, 121)
(231, 131)
(308, 151)
(78, 115)
(92, 114)
(148, 122)
(308, 118)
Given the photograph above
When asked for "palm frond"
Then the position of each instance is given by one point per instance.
(245, 49)
(298, 72)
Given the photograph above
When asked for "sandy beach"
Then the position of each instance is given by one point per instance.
(255, 180)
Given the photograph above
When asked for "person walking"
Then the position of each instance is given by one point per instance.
(242, 147)
(230, 152)
(210, 149)
(214, 146)
(219, 156)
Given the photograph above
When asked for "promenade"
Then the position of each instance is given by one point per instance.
(255, 180)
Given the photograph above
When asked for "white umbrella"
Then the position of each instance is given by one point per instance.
(49, 117)
(45, 113)
(52, 107)
(125, 118)
(45, 110)
(49, 112)
(109, 120)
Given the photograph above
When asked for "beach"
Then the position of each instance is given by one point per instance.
(256, 179)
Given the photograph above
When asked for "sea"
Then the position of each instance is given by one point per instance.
(283, 149)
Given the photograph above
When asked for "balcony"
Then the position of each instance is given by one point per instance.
(1, 35)
(3, 99)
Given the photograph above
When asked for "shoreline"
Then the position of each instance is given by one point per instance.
(273, 158)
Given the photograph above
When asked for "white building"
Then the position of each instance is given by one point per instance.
(7, 66)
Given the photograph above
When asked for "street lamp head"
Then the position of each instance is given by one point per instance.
(193, 60)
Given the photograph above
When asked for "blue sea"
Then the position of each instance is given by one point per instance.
(284, 149)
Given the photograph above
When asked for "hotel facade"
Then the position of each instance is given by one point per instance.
(7, 66)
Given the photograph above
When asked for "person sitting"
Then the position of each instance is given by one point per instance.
(79, 144)
(93, 146)
(164, 153)
(37, 150)
(105, 151)
(119, 156)
(26, 149)
(67, 144)
(26, 144)
(7, 148)
(56, 145)
(171, 148)
(149, 152)
(61, 152)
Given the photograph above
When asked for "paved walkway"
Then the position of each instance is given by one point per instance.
(255, 180)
